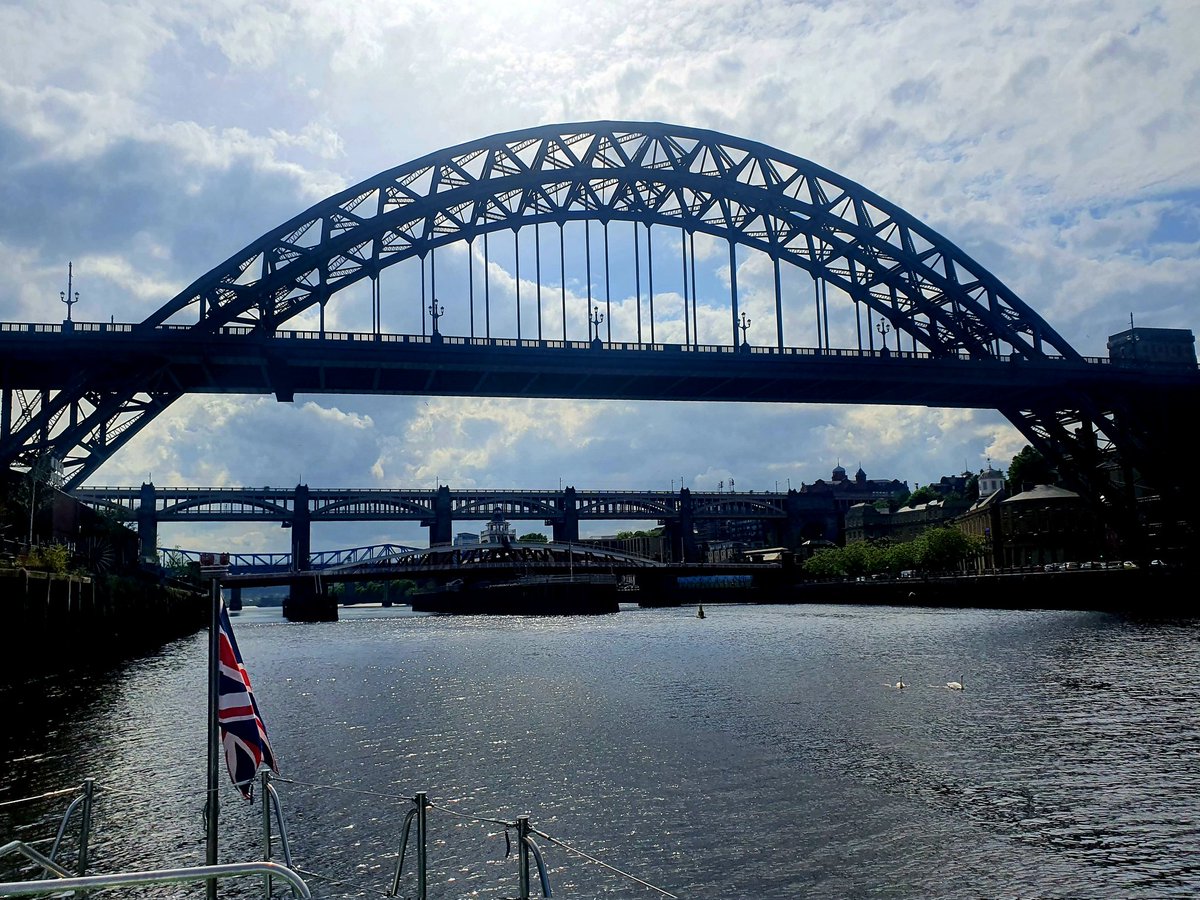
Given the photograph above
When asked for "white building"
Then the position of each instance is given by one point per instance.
(990, 481)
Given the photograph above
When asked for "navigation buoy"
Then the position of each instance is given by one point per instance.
(699, 610)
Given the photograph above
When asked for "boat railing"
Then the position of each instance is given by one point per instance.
(59, 879)
(185, 875)
(81, 803)
(528, 852)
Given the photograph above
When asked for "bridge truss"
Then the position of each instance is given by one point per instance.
(896, 274)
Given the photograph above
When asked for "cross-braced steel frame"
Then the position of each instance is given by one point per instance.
(844, 236)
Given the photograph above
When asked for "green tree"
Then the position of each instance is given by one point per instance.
(824, 564)
(921, 495)
(972, 489)
(942, 549)
(534, 537)
(1029, 467)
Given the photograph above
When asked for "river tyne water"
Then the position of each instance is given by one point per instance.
(754, 753)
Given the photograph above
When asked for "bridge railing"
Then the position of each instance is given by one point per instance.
(96, 328)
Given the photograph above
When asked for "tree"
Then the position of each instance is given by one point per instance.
(534, 537)
(824, 564)
(942, 549)
(972, 489)
(626, 535)
(1029, 467)
(922, 495)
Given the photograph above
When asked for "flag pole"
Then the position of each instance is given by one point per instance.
(212, 807)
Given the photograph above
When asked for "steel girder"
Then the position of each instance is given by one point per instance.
(745, 192)
(174, 504)
(702, 181)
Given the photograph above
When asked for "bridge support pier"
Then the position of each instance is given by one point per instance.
(681, 532)
(441, 527)
(308, 601)
(235, 598)
(147, 522)
(301, 529)
(566, 528)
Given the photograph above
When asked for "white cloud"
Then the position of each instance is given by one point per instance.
(148, 143)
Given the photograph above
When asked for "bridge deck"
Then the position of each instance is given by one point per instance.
(236, 360)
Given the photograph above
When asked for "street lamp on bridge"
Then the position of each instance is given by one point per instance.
(745, 326)
(67, 296)
(883, 328)
(436, 311)
(594, 321)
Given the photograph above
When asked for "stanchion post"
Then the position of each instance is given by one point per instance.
(265, 789)
(523, 855)
(85, 830)
(213, 806)
(422, 840)
(213, 566)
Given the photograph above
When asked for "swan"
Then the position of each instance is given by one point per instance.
(955, 685)
(899, 685)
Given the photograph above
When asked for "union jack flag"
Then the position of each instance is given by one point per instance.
(243, 734)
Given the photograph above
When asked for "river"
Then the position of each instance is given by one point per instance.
(759, 752)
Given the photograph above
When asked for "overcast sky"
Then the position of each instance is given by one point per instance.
(1056, 143)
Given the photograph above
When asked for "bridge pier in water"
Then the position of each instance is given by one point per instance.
(441, 526)
(301, 525)
(307, 600)
(681, 531)
(566, 528)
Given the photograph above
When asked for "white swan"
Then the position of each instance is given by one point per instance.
(955, 685)
(899, 685)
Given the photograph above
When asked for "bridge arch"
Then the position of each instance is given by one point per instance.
(793, 210)
(886, 262)
(320, 510)
(881, 259)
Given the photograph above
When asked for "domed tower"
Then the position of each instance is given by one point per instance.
(839, 474)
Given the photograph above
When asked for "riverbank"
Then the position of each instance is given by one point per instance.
(1148, 591)
(58, 621)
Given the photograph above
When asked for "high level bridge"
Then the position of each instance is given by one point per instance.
(468, 253)
(298, 508)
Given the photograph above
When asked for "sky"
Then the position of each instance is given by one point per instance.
(145, 143)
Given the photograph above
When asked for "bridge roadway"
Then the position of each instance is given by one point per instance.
(563, 510)
(237, 359)
(1152, 592)
(275, 563)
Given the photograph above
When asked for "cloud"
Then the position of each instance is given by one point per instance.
(148, 143)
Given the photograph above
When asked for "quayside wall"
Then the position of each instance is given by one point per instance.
(54, 622)
(1137, 591)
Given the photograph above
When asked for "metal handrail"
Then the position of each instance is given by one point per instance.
(188, 875)
(46, 862)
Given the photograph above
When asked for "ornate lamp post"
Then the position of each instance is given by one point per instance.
(436, 311)
(883, 328)
(67, 296)
(745, 326)
(594, 321)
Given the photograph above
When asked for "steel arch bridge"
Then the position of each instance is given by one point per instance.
(891, 270)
